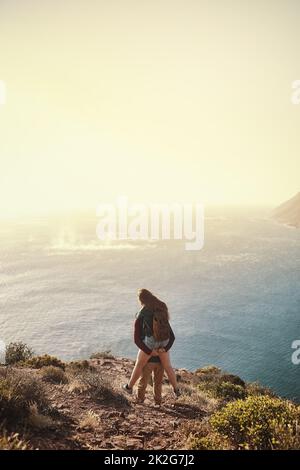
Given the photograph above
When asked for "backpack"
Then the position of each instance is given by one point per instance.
(161, 326)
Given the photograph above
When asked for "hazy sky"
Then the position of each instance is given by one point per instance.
(159, 100)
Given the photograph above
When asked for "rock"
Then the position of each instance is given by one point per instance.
(118, 441)
(132, 443)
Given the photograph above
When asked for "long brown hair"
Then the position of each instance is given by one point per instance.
(151, 302)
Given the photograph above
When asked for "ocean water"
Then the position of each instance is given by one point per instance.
(235, 303)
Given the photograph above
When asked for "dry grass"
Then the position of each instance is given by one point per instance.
(191, 395)
(89, 421)
(38, 420)
(102, 355)
(19, 390)
(17, 352)
(77, 366)
(99, 388)
(54, 375)
(76, 386)
(12, 442)
(37, 362)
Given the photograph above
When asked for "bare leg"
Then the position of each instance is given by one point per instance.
(141, 361)
(143, 382)
(166, 363)
(157, 383)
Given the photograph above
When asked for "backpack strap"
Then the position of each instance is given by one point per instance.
(146, 323)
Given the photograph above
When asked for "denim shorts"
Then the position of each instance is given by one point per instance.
(151, 343)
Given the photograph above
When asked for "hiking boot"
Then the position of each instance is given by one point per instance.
(127, 389)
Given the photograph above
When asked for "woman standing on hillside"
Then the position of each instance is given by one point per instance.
(153, 335)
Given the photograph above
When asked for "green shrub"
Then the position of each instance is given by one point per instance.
(201, 437)
(286, 437)
(217, 384)
(213, 441)
(38, 362)
(18, 391)
(222, 390)
(254, 423)
(54, 375)
(233, 379)
(102, 355)
(17, 352)
(230, 391)
(208, 387)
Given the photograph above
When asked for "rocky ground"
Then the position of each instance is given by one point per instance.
(80, 422)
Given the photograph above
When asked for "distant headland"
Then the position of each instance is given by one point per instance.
(289, 212)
